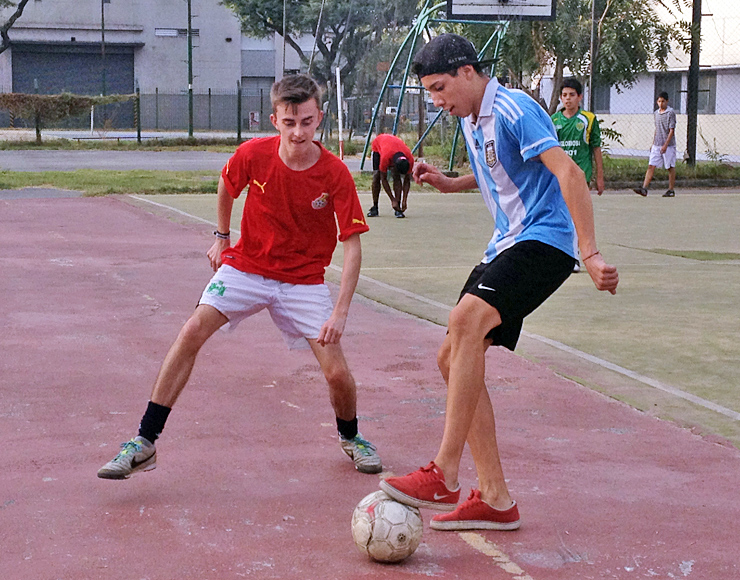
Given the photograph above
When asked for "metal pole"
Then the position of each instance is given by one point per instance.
(190, 70)
(592, 52)
(285, 31)
(339, 114)
(102, 42)
(138, 114)
(692, 104)
(238, 112)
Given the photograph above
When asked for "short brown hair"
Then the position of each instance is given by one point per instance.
(295, 90)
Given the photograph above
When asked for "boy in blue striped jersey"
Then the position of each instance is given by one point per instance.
(532, 189)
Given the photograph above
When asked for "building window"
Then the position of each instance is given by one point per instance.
(707, 93)
(671, 84)
(175, 32)
(602, 98)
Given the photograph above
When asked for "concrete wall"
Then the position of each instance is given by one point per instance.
(160, 61)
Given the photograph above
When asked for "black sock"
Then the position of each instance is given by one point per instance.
(153, 421)
(347, 429)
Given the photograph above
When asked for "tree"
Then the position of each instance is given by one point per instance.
(347, 29)
(43, 109)
(5, 44)
(630, 38)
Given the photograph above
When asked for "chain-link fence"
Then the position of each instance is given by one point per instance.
(535, 56)
(633, 67)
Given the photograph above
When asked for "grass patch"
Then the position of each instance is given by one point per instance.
(631, 169)
(102, 182)
(700, 255)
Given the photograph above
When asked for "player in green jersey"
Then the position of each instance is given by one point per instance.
(579, 133)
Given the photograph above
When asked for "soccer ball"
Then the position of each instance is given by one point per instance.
(384, 529)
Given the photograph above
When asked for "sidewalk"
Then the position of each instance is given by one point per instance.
(251, 481)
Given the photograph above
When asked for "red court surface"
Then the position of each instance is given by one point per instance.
(251, 482)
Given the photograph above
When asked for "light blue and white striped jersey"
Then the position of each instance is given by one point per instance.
(522, 195)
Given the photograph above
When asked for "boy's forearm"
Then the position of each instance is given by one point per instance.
(350, 274)
(464, 182)
(599, 163)
(224, 206)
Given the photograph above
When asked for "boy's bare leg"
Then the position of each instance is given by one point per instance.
(648, 176)
(343, 397)
(178, 364)
(482, 442)
(406, 187)
(671, 178)
(342, 388)
(375, 189)
(469, 323)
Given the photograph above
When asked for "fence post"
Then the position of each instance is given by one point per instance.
(209, 108)
(238, 112)
(262, 112)
(156, 108)
(37, 120)
(138, 114)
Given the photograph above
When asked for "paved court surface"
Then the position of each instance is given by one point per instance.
(251, 482)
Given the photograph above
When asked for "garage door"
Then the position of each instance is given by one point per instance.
(77, 68)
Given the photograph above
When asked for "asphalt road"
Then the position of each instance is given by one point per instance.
(63, 160)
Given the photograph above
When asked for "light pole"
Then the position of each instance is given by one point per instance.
(102, 42)
(692, 90)
(190, 69)
(285, 31)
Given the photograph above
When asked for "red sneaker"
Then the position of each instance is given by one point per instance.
(424, 488)
(475, 514)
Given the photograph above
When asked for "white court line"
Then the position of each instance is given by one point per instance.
(554, 343)
(491, 550)
(637, 376)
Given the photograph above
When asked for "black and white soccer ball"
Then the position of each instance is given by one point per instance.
(385, 530)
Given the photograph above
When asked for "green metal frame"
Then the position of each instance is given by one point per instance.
(421, 24)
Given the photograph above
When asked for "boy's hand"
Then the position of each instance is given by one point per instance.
(214, 253)
(425, 173)
(604, 275)
(332, 330)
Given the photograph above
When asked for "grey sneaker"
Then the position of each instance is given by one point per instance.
(135, 455)
(641, 191)
(362, 452)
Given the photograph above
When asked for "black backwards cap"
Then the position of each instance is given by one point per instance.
(445, 53)
(401, 162)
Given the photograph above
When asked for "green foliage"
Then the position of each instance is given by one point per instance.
(347, 31)
(711, 150)
(49, 108)
(630, 39)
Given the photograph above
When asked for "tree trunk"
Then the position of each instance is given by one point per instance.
(557, 79)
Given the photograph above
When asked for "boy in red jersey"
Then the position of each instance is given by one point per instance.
(391, 154)
(298, 193)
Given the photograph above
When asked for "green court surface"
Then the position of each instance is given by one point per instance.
(666, 343)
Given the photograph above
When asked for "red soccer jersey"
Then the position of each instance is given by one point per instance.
(388, 145)
(289, 229)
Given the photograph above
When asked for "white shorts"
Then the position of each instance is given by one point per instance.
(298, 310)
(663, 160)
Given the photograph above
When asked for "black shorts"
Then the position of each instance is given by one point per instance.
(516, 282)
(376, 161)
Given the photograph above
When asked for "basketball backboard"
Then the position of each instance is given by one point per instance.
(501, 9)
